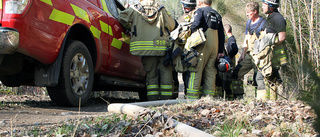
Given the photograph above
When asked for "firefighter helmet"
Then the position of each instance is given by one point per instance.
(189, 4)
(223, 64)
(272, 3)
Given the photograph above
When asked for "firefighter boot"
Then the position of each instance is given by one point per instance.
(273, 92)
(164, 97)
(262, 94)
(153, 97)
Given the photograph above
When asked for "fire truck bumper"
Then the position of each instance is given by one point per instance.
(9, 40)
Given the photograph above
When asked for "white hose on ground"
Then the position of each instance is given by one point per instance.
(135, 111)
(162, 102)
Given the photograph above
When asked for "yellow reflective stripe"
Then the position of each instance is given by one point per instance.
(166, 86)
(279, 51)
(61, 17)
(141, 43)
(104, 6)
(195, 41)
(145, 45)
(191, 81)
(116, 43)
(80, 13)
(45, 1)
(110, 31)
(150, 93)
(283, 58)
(159, 48)
(152, 86)
(193, 94)
(126, 38)
(0, 4)
(193, 91)
(96, 32)
(210, 92)
(106, 28)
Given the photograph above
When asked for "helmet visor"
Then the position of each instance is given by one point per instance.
(188, 5)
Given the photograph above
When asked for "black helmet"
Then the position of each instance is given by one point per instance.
(223, 64)
(272, 3)
(189, 3)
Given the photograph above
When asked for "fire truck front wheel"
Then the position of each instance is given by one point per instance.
(76, 76)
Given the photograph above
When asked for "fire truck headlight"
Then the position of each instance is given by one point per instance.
(15, 6)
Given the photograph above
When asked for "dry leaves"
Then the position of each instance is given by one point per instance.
(271, 118)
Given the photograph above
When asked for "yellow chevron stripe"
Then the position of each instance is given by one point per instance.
(104, 27)
(110, 31)
(45, 1)
(116, 43)
(61, 17)
(80, 13)
(96, 32)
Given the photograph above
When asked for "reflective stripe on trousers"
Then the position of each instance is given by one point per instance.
(210, 92)
(191, 92)
(152, 90)
(166, 90)
(280, 58)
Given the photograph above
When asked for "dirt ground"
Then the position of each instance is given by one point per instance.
(32, 112)
(24, 112)
(21, 111)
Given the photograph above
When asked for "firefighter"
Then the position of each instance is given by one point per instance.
(254, 25)
(209, 21)
(150, 26)
(273, 56)
(188, 5)
(185, 21)
(224, 75)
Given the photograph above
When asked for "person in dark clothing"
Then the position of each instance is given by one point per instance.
(224, 79)
(202, 21)
(275, 24)
(204, 73)
(231, 46)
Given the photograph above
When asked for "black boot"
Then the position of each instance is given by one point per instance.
(153, 97)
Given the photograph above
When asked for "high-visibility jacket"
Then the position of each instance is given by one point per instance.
(150, 26)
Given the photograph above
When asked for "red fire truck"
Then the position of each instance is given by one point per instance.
(71, 47)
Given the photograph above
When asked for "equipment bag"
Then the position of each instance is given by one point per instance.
(189, 58)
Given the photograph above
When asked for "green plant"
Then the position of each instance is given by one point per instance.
(230, 128)
(6, 90)
(35, 131)
(65, 129)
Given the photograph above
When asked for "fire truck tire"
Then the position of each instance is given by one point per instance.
(76, 76)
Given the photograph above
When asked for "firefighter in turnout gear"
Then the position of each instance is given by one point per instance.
(150, 26)
(269, 51)
(204, 73)
(254, 26)
(182, 33)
